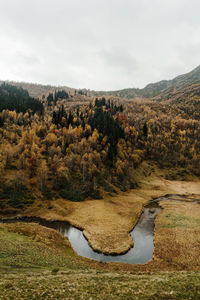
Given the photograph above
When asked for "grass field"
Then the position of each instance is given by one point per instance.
(95, 284)
(177, 234)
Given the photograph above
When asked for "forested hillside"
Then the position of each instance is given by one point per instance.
(74, 146)
(18, 99)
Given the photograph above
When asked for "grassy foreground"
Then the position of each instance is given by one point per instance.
(99, 285)
(38, 263)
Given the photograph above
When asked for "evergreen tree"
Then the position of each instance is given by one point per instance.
(145, 130)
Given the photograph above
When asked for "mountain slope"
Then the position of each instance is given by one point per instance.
(186, 84)
(178, 82)
(162, 89)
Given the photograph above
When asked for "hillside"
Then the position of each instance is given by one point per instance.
(163, 89)
(166, 88)
(37, 90)
(17, 99)
(72, 146)
(75, 147)
(183, 85)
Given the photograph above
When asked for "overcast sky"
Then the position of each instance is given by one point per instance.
(98, 44)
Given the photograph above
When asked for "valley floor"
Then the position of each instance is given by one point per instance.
(106, 223)
(39, 263)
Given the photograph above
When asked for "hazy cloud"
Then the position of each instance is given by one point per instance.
(119, 59)
(98, 44)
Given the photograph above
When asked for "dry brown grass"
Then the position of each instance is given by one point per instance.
(95, 285)
(177, 234)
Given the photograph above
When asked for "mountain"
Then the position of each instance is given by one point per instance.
(183, 85)
(189, 82)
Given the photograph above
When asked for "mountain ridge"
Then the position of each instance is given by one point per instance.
(163, 89)
(152, 90)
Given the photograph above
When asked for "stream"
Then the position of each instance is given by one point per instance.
(142, 234)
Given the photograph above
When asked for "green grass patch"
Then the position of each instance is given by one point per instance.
(28, 248)
(174, 220)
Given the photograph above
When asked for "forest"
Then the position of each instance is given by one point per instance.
(72, 146)
(18, 99)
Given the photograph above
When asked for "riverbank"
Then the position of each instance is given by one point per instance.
(106, 223)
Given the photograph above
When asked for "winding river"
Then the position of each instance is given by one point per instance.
(143, 235)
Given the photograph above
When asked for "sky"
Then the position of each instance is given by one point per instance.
(98, 44)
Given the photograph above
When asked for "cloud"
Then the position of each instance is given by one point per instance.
(98, 44)
(119, 59)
